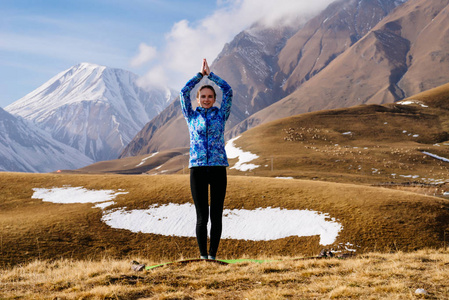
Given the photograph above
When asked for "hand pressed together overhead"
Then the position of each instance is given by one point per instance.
(205, 68)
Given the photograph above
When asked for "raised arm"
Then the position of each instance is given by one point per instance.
(186, 103)
(226, 89)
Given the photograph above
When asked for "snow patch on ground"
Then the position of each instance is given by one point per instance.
(436, 156)
(409, 176)
(410, 134)
(434, 181)
(74, 195)
(244, 156)
(348, 247)
(261, 224)
(103, 205)
(410, 102)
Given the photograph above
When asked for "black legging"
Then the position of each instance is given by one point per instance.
(200, 179)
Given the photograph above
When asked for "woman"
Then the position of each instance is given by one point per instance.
(208, 160)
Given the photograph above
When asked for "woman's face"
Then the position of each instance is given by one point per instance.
(206, 98)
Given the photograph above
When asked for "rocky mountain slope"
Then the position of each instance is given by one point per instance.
(326, 36)
(26, 148)
(95, 109)
(404, 54)
(265, 66)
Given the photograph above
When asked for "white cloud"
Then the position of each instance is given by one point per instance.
(155, 77)
(146, 54)
(187, 44)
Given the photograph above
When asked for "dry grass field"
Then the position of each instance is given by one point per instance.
(65, 251)
(379, 171)
(373, 218)
(369, 276)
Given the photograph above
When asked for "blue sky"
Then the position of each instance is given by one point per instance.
(40, 38)
(161, 40)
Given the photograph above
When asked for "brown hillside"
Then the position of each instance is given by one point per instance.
(169, 161)
(438, 97)
(390, 63)
(373, 218)
(375, 144)
(167, 130)
(428, 59)
(248, 63)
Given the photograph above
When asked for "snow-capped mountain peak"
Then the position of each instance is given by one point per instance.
(93, 108)
(83, 82)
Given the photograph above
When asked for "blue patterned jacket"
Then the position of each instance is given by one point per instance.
(206, 126)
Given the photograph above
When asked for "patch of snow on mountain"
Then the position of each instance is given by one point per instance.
(244, 156)
(103, 205)
(146, 158)
(399, 2)
(436, 156)
(410, 102)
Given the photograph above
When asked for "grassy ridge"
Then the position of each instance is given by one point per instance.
(373, 218)
(366, 144)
